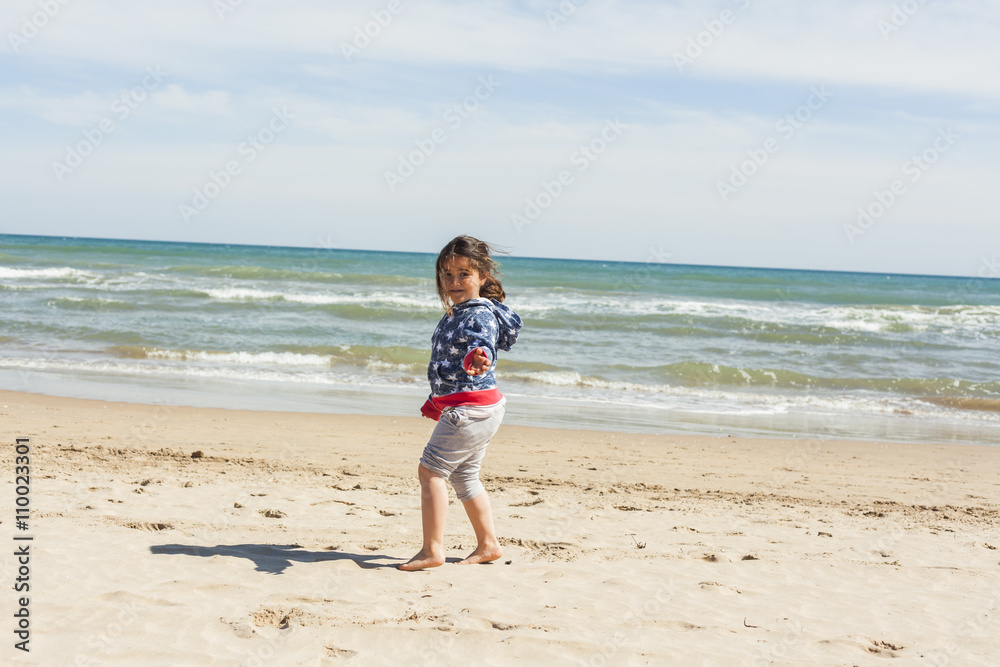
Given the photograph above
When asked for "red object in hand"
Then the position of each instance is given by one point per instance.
(476, 362)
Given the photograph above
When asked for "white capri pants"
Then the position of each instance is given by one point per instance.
(458, 444)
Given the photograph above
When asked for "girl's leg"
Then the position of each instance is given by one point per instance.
(433, 512)
(487, 545)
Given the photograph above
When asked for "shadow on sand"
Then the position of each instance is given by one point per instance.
(273, 558)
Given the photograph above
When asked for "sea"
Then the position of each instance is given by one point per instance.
(632, 347)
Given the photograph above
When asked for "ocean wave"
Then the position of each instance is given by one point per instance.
(919, 319)
(725, 401)
(95, 304)
(401, 359)
(574, 379)
(306, 271)
(964, 403)
(686, 376)
(702, 400)
(603, 311)
(249, 294)
(254, 374)
(10, 273)
(251, 272)
(691, 373)
(536, 387)
(279, 359)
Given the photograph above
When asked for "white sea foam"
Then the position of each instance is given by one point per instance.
(266, 359)
(385, 366)
(378, 298)
(868, 319)
(574, 379)
(240, 294)
(251, 374)
(11, 273)
(885, 318)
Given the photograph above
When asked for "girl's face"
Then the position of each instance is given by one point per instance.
(460, 280)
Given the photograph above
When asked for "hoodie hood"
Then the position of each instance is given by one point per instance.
(510, 323)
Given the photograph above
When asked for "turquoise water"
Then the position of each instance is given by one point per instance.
(624, 346)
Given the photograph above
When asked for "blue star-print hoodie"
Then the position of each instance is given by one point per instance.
(484, 324)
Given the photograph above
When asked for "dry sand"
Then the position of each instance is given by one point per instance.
(279, 546)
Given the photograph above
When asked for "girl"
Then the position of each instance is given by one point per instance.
(464, 398)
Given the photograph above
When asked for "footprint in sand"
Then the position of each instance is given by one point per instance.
(881, 648)
(725, 589)
(878, 647)
(241, 630)
(545, 550)
(715, 558)
(143, 525)
(499, 625)
(275, 617)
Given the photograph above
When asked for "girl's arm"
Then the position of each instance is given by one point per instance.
(480, 334)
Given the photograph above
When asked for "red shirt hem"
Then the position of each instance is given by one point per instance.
(434, 405)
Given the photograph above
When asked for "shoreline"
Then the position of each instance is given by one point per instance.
(558, 413)
(280, 539)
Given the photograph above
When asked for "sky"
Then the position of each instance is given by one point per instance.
(836, 135)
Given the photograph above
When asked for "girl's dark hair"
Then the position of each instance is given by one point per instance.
(478, 254)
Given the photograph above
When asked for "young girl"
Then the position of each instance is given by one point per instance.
(464, 398)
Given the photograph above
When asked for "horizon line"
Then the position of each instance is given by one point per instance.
(558, 259)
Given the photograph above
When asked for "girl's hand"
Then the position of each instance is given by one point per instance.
(479, 364)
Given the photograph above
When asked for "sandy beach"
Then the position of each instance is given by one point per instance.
(175, 535)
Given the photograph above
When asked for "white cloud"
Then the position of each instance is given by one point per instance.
(175, 98)
(76, 110)
(942, 47)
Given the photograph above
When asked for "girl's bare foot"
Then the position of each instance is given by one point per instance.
(484, 553)
(422, 561)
